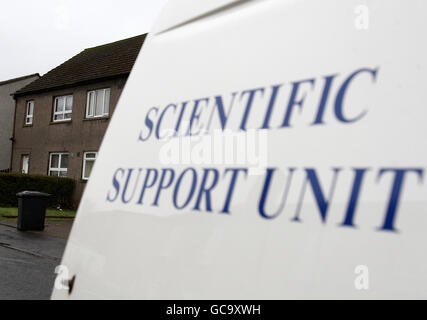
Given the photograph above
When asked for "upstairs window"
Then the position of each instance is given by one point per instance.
(88, 162)
(98, 103)
(63, 108)
(58, 164)
(29, 114)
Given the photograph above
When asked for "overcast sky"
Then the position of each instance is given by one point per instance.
(38, 35)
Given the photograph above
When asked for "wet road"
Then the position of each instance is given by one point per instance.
(28, 260)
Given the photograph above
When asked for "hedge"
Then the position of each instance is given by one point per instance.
(61, 189)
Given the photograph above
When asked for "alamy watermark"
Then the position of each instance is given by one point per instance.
(361, 21)
(361, 282)
(220, 147)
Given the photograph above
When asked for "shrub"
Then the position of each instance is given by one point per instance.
(61, 189)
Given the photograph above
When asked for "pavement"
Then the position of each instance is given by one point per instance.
(28, 259)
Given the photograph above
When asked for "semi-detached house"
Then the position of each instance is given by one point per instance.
(61, 118)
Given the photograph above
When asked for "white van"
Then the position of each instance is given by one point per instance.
(265, 149)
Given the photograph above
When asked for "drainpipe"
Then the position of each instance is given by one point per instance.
(13, 133)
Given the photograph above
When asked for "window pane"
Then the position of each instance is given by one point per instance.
(90, 103)
(99, 108)
(59, 117)
(30, 108)
(67, 116)
(64, 161)
(25, 164)
(63, 174)
(88, 168)
(54, 161)
(53, 173)
(69, 104)
(59, 104)
(90, 155)
(107, 101)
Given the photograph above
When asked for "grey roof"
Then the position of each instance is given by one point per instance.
(101, 62)
(19, 79)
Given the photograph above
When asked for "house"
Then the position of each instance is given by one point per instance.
(61, 118)
(7, 108)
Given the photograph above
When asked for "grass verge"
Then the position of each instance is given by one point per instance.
(50, 213)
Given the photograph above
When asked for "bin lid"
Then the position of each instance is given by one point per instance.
(33, 194)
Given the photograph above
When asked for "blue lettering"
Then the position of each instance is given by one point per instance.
(399, 176)
(293, 100)
(127, 184)
(178, 123)
(223, 116)
(149, 124)
(251, 96)
(322, 202)
(116, 185)
(273, 97)
(261, 207)
(161, 119)
(147, 184)
(343, 90)
(324, 99)
(235, 174)
(354, 197)
(206, 190)
(177, 186)
(195, 116)
(163, 184)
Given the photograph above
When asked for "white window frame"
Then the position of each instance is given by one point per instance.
(91, 103)
(63, 112)
(59, 169)
(85, 158)
(29, 113)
